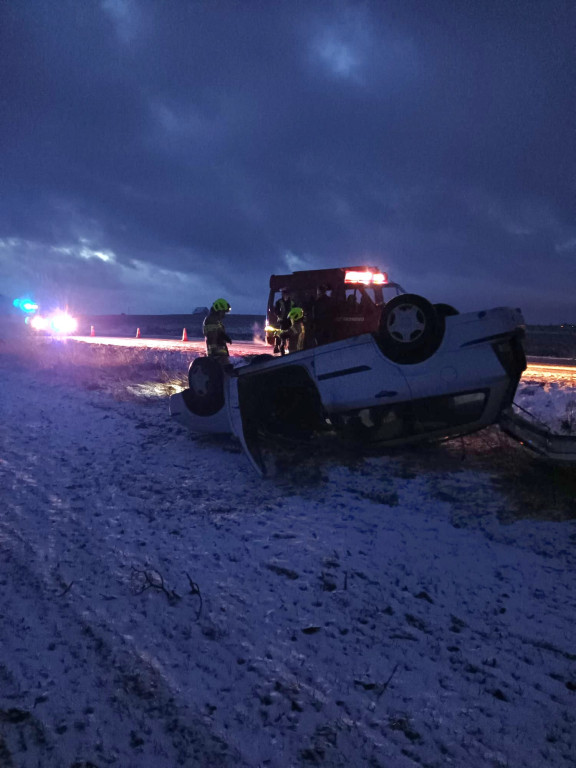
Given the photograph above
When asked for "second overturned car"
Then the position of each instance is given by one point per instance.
(424, 374)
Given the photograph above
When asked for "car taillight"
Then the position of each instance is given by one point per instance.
(513, 359)
(511, 355)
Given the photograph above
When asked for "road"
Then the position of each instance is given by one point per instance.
(552, 365)
(238, 348)
(536, 365)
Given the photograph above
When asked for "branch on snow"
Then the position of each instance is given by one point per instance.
(195, 590)
(66, 589)
(152, 579)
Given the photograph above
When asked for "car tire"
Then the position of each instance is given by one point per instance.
(410, 330)
(205, 393)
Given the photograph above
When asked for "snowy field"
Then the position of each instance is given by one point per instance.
(550, 400)
(162, 606)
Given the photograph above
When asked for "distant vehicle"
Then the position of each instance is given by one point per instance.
(57, 323)
(420, 373)
(26, 305)
(358, 293)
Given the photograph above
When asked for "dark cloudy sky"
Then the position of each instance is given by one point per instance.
(157, 154)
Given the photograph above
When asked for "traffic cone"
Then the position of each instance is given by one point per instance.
(92, 331)
(184, 335)
(137, 333)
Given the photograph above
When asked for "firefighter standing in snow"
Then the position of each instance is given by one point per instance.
(295, 335)
(215, 332)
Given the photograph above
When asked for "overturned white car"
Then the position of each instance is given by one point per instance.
(428, 372)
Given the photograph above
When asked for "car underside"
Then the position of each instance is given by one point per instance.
(425, 374)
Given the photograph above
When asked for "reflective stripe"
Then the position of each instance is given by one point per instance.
(215, 334)
(214, 351)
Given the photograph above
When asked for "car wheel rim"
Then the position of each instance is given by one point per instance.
(406, 324)
(199, 382)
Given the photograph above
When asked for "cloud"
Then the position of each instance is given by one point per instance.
(125, 15)
(225, 144)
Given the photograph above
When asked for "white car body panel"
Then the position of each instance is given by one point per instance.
(358, 388)
(359, 385)
(235, 419)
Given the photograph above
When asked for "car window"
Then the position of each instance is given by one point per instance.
(390, 291)
(359, 300)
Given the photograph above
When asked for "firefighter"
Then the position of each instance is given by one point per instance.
(282, 308)
(215, 332)
(323, 316)
(296, 334)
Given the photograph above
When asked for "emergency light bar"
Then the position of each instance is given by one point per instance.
(26, 305)
(366, 278)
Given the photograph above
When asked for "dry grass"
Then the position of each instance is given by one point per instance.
(125, 373)
(533, 488)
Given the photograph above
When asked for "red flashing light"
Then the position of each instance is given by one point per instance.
(366, 278)
(358, 277)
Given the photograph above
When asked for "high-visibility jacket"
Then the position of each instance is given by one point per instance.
(296, 335)
(215, 334)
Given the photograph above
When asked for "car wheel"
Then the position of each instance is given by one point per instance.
(205, 395)
(410, 330)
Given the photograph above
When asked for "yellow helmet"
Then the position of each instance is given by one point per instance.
(221, 305)
(296, 313)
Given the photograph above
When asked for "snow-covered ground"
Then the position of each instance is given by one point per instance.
(551, 400)
(162, 606)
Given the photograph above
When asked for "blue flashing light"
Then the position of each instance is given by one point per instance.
(26, 305)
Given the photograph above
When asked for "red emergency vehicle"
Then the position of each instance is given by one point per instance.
(358, 295)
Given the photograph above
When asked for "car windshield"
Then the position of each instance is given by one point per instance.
(302, 299)
(390, 290)
(355, 298)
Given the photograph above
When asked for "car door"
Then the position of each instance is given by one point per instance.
(354, 374)
(248, 441)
